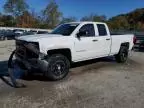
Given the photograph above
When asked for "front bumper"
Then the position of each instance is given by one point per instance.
(32, 64)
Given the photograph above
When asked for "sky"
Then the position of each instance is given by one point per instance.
(80, 8)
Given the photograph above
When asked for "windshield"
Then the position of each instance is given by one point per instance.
(65, 29)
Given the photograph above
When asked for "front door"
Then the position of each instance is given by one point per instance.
(86, 45)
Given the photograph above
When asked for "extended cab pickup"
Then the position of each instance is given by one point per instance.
(71, 42)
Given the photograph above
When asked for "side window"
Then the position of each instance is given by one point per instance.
(102, 30)
(89, 29)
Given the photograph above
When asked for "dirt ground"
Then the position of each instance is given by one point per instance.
(100, 83)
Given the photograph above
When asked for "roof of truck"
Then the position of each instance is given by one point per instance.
(87, 22)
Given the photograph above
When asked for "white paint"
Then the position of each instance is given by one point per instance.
(82, 48)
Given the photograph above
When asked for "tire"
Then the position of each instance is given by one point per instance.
(58, 67)
(122, 56)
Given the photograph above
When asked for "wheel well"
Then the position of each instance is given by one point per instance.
(126, 44)
(66, 52)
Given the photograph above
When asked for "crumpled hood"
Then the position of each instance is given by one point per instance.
(35, 38)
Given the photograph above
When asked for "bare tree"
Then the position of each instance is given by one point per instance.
(51, 14)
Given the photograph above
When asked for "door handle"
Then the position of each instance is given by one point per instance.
(108, 39)
(94, 40)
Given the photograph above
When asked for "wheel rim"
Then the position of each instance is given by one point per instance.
(58, 68)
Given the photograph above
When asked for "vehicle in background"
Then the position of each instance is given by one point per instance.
(139, 41)
(7, 35)
(33, 31)
(68, 43)
(27, 33)
(38, 32)
(141, 45)
(12, 34)
(1, 34)
(42, 32)
(18, 32)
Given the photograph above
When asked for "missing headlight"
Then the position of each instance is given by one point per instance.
(30, 49)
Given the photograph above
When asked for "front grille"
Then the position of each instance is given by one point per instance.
(24, 52)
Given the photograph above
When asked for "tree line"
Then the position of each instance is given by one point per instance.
(18, 14)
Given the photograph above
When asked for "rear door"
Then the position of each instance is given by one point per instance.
(104, 40)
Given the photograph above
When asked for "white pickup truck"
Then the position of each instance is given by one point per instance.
(71, 42)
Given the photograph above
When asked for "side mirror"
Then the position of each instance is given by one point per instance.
(81, 33)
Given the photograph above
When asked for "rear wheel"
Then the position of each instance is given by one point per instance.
(122, 56)
(58, 67)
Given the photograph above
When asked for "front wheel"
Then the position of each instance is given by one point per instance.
(122, 56)
(58, 67)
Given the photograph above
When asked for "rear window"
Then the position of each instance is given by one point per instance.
(102, 30)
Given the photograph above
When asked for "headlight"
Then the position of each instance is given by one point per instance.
(32, 46)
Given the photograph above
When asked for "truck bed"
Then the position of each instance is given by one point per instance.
(118, 39)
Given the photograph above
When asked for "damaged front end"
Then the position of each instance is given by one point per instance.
(27, 57)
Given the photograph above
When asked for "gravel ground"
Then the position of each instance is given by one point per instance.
(100, 83)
